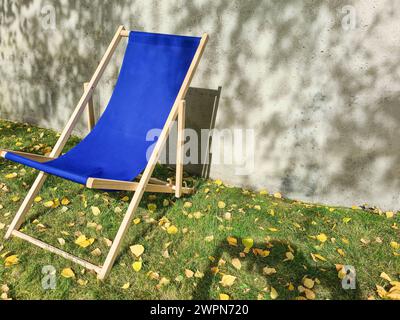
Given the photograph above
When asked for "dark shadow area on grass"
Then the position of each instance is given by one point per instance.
(287, 271)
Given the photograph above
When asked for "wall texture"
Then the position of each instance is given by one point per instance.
(321, 96)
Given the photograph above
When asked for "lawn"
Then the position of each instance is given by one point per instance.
(221, 242)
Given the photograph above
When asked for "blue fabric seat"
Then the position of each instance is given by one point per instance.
(151, 75)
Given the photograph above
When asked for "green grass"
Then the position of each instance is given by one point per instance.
(296, 223)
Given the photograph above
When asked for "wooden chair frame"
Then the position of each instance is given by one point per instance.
(143, 185)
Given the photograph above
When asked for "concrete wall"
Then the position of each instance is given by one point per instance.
(322, 96)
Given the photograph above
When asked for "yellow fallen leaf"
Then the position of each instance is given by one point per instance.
(389, 214)
(381, 291)
(11, 175)
(125, 199)
(322, 237)
(257, 207)
(187, 205)
(385, 276)
(395, 245)
(310, 295)
(189, 273)
(96, 252)
(289, 256)
(264, 192)
(232, 241)
(223, 296)
(126, 286)
(152, 207)
(346, 220)
(236, 263)
(278, 195)
(341, 252)
(227, 280)
(172, 230)
(67, 273)
(83, 242)
(95, 211)
(308, 283)
(117, 210)
(316, 257)
(137, 250)
(82, 282)
(221, 204)
(65, 201)
(218, 182)
(38, 199)
(273, 229)
(136, 221)
(11, 260)
(49, 204)
(15, 198)
(274, 294)
(248, 242)
(199, 274)
(137, 266)
(209, 238)
(268, 271)
(345, 241)
(291, 287)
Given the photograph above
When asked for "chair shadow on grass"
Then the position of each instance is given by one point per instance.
(293, 271)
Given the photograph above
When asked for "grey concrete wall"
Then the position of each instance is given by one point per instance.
(322, 98)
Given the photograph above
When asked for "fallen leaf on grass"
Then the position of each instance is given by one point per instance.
(227, 280)
(316, 257)
(274, 294)
(11, 175)
(268, 271)
(308, 283)
(223, 296)
(221, 204)
(126, 286)
(346, 220)
(83, 242)
(67, 273)
(278, 195)
(137, 250)
(341, 252)
(11, 260)
(137, 266)
(322, 237)
(289, 256)
(172, 230)
(389, 214)
(232, 241)
(96, 252)
(248, 243)
(95, 211)
(65, 201)
(82, 282)
(38, 199)
(189, 273)
(236, 263)
(152, 207)
(385, 276)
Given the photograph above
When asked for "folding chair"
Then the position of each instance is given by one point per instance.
(149, 94)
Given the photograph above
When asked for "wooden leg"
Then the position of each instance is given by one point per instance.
(26, 205)
(179, 149)
(90, 109)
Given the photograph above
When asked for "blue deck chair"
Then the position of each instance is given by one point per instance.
(149, 94)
